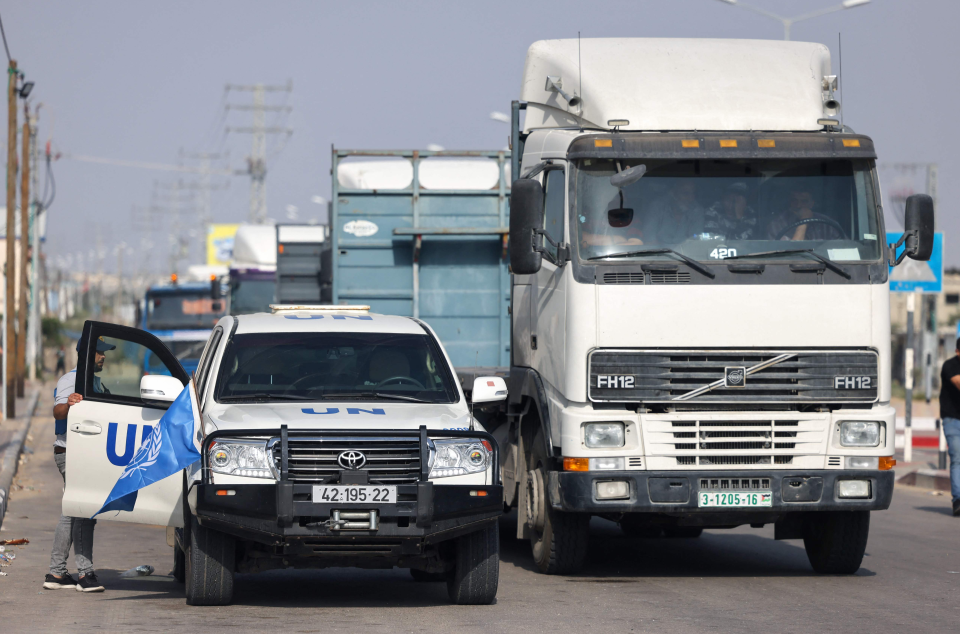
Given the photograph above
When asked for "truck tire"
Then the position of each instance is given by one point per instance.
(179, 560)
(558, 540)
(631, 527)
(476, 573)
(835, 541)
(682, 532)
(209, 566)
(421, 576)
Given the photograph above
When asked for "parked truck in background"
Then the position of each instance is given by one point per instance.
(694, 323)
(182, 316)
(253, 270)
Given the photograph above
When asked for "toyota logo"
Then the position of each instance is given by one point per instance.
(352, 460)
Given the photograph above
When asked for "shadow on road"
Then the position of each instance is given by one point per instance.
(942, 510)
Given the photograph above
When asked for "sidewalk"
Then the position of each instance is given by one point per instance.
(13, 434)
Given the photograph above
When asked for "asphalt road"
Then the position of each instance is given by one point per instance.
(738, 580)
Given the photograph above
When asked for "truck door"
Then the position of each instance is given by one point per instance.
(547, 302)
(107, 427)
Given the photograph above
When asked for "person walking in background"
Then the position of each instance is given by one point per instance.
(73, 530)
(950, 419)
(61, 361)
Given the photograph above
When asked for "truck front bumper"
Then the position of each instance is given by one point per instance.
(677, 493)
(284, 514)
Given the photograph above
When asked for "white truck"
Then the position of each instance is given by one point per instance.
(329, 436)
(701, 322)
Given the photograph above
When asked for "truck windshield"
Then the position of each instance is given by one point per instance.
(251, 296)
(713, 209)
(334, 366)
(183, 311)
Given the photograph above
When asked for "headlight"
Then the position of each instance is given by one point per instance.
(248, 458)
(855, 433)
(459, 457)
(603, 435)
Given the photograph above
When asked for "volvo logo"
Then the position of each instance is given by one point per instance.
(352, 460)
(734, 377)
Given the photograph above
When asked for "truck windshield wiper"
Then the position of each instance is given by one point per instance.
(262, 395)
(826, 261)
(693, 264)
(381, 395)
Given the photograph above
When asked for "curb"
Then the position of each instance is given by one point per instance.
(9, 458)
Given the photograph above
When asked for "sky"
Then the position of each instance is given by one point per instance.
(144, 82)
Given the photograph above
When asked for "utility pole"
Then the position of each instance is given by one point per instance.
(34, 334)
(204, 187)
(257, 161)
(10, 396)
(24, 252)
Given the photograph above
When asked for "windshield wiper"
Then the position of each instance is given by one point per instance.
(839, 270)
(693, 264)
(261, 395)
(381, 395)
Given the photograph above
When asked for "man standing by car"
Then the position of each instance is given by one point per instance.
(950, 419)
(75, 530)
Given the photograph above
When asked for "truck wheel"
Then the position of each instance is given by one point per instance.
(835, 541)
(682, 532)
(476, 573)
(559, 540)
(209, 566)
(179, 560)
(631, 527)
(427, 577)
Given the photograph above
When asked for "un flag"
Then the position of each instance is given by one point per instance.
(170, 448)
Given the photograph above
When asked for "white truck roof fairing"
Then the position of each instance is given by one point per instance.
(255, 247)
(435, 173)
(676, 84)
(326, 321)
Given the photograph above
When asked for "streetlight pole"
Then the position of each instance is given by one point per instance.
(789, 22)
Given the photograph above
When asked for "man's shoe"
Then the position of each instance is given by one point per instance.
(51, 582)
(956, 508)
(89, 583)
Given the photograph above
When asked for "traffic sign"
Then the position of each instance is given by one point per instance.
(913, 275)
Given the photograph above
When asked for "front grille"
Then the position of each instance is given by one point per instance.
(734, 484)
(389, 460)
(745, 439)
(623, 278)
(663, 376)
(675, 277)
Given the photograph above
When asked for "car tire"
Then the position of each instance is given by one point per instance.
(421, 576)
(476, 572)
(682, 532)
(209, 566)
(836, 541)
(179, 572)
(635, 529)
(558, 540)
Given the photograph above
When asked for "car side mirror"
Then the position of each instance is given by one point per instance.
(526, 217)
(918, 221)
(488, 389)
(159, 390)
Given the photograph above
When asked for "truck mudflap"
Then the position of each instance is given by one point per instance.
(284, 512)
(679, 493)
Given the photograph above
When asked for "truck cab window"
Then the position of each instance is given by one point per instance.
(553, 206)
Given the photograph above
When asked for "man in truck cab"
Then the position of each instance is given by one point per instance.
(731, 216)
(800, 222)
(676, 217)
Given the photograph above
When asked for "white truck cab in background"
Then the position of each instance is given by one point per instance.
(701, 333)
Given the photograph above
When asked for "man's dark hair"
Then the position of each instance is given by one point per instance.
(958, 343)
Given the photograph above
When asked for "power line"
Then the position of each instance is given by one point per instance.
(5, 47)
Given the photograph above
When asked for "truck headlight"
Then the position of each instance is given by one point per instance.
(856, 433)
(459, 457)
(603, 435)
(247, 458)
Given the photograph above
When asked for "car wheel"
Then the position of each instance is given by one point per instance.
(476, 572)
(209, 566)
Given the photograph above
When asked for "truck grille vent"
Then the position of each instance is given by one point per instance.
(623, 278)
(635, 463)
(834, 461)
(661, 376)
(719, 484)
(678, 277)
(314, 459)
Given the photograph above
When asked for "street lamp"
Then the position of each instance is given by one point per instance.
(788, 22)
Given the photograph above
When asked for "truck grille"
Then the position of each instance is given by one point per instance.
(733, 440)
(809, 376)
(314, 459)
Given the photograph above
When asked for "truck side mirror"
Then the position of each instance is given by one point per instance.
(526, 217)
(918, 220)
(488, 389)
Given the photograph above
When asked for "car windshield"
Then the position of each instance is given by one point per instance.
(713, 209)
(334, 366)
(183, 310)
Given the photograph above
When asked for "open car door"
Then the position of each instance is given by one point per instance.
(106, 428)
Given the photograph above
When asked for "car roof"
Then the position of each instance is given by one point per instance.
(326, 321)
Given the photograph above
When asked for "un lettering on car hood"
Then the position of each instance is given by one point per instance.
(338, 415)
